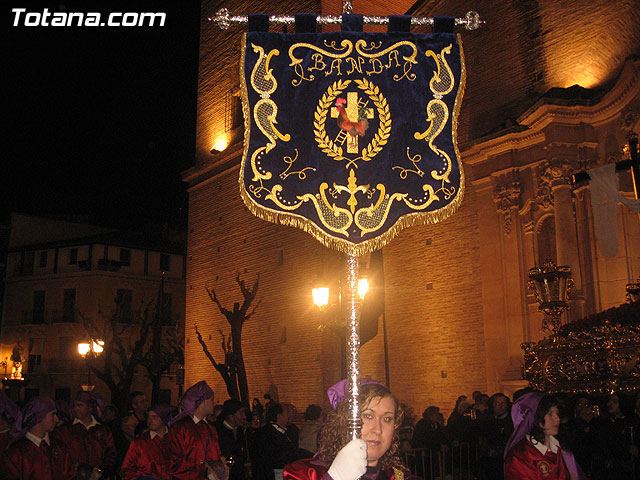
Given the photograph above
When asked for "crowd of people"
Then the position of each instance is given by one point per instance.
(599, 432)
(539, 436)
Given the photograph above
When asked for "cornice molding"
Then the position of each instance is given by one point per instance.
(615, 102)
(217, 165)
(513, 141)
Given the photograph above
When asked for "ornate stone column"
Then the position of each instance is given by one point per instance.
(587, 252)
(566, 234)
(506, 196)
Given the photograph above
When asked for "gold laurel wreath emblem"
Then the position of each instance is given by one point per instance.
(320, 117)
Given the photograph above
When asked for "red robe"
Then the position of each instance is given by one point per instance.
(94, 447)
(315, 469)
(25, 461)
(525, 462)
(5, 439)
(189, 447)
(145, 457)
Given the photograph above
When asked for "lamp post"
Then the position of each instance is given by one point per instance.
(88, 351)
(321, 295)
(551, 285)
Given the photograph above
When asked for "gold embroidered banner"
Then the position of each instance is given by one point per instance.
(351, 136)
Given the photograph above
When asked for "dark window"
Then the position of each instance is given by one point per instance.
(123, 305)
(69, 305)
(43, 259)
(73, 256)
(38, 306)
(27, 263)
(547, 240)
(63, 394)
(165, 262)
(166, 309)
(125, 256)
(33, 365)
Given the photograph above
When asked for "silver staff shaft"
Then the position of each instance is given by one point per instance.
(353, 346)
(224, 19)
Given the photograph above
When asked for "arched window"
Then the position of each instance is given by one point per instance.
(546, 240)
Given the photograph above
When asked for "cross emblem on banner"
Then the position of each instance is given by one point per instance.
(355, 111)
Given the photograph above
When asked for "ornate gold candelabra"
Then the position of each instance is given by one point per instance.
(551, 285)
(633, 291)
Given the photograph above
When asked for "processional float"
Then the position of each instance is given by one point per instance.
(351, 135)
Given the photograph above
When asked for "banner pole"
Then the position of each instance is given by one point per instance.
(354, 304)
(224, 19)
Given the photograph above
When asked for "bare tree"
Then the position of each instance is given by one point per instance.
(157, 360)
(233, 370)
(124, 348)
(166, 346)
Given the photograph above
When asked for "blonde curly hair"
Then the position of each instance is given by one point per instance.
(335, 433)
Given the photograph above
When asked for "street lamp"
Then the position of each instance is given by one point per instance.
(320, 294)
(320, 297)
(87, 351)
(363, 287)
(337, 323)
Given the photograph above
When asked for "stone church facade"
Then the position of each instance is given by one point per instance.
(549, 93)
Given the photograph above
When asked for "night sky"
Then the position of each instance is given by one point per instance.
(101, 120)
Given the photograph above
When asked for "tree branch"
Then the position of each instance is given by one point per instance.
(206, 351)
(212, 295)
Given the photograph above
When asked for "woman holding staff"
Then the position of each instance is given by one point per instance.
(374, 456)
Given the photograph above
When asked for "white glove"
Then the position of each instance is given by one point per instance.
(350, 462)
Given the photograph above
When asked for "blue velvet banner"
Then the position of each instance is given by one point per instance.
(351, 136)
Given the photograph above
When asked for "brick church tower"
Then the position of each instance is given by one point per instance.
(551, 90)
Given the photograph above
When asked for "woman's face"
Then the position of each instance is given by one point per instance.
(378, 425)
(551, 421)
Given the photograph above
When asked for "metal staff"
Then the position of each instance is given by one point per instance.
(353, 346)
(224, 19)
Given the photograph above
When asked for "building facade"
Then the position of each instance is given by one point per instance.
(60, 273)
(551, 91)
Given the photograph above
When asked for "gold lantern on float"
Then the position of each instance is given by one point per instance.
(551, 285)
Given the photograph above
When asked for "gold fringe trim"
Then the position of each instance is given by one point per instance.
(342, 245)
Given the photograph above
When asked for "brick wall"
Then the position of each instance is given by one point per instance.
(432, 332)
(281, 342)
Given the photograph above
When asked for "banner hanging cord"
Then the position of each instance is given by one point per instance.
(224, 19)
